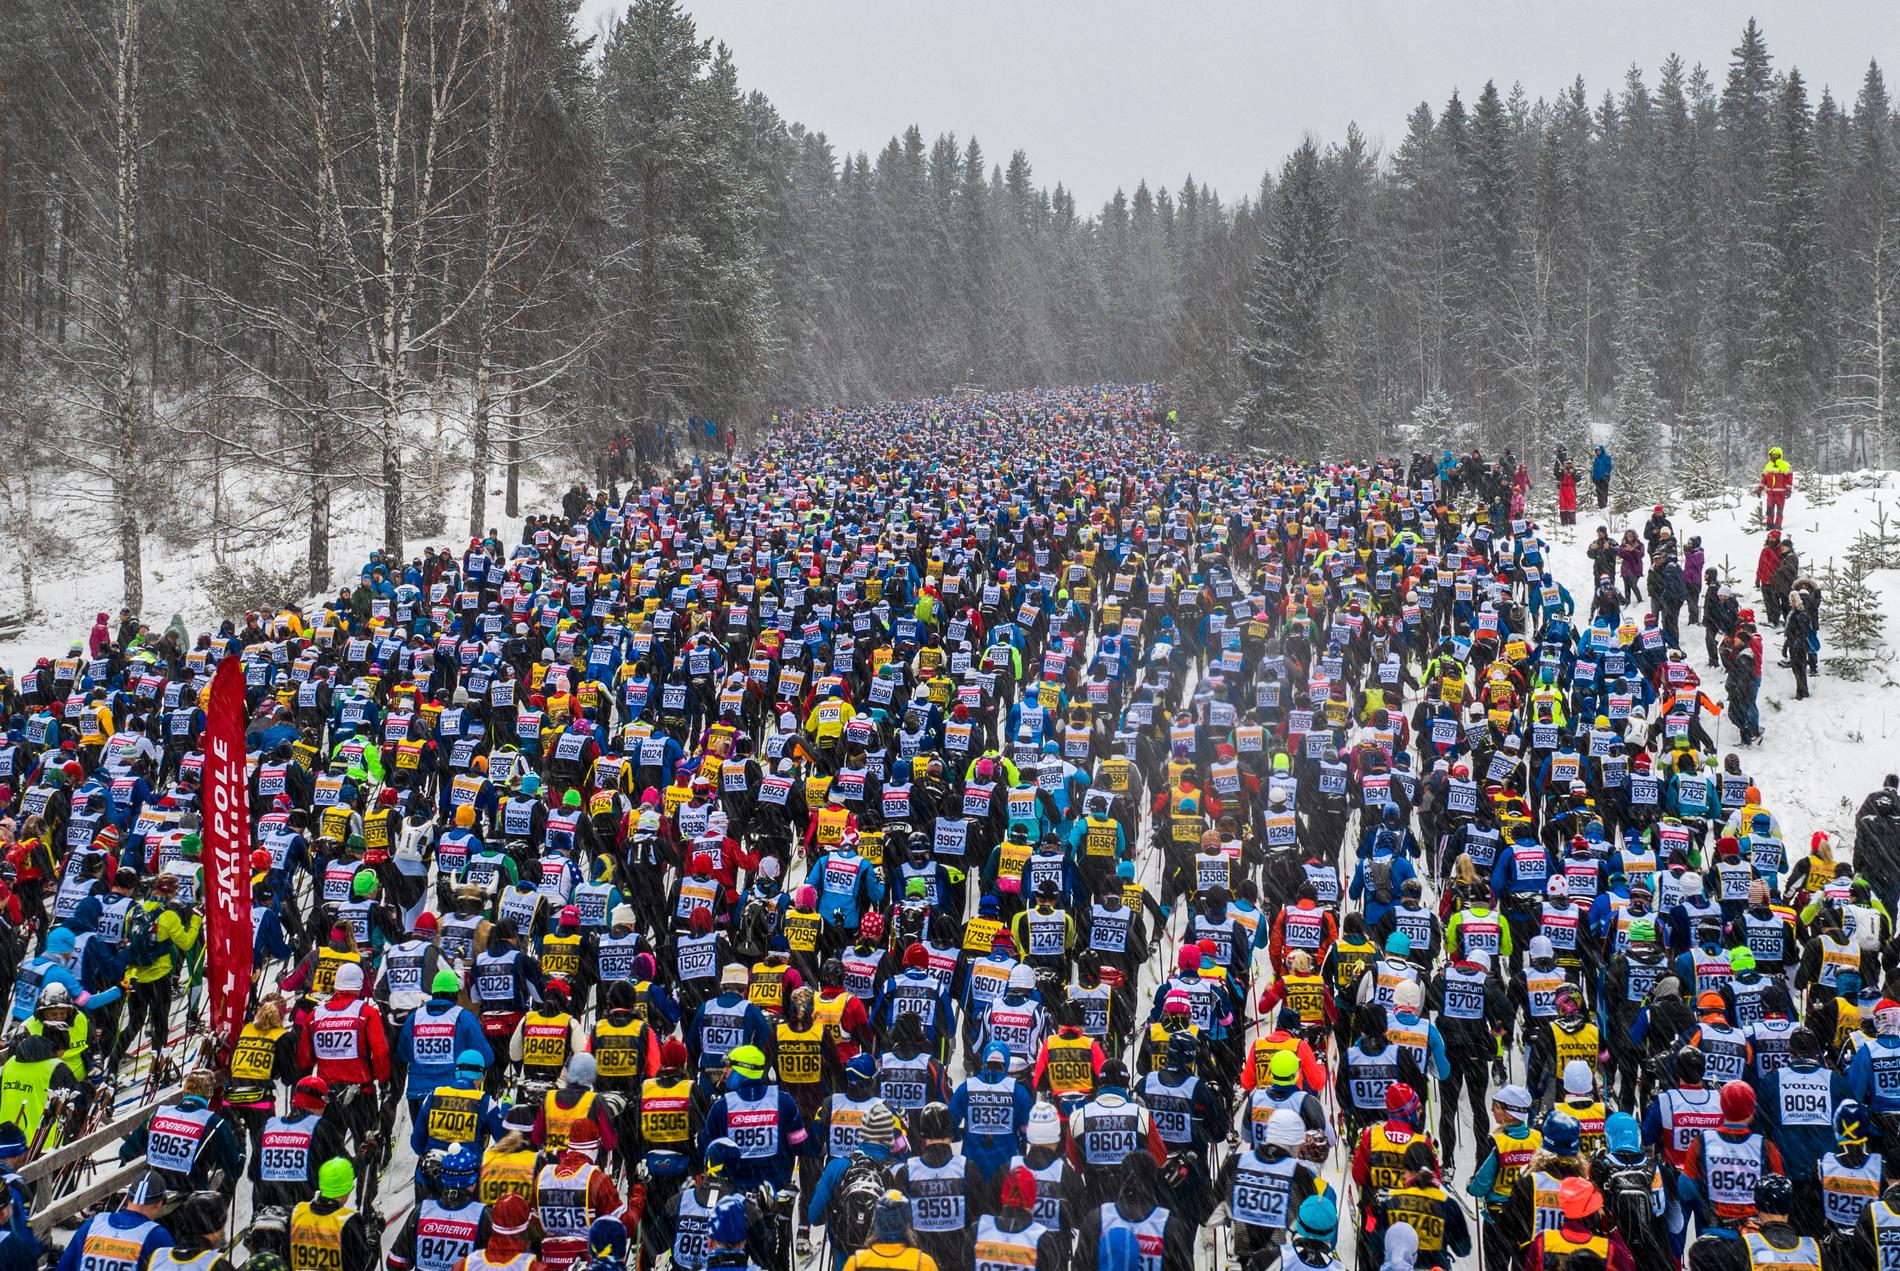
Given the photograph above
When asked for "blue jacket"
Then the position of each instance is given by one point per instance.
(991, 1149)
(426, 1075)
(794, 1139)
(1802, 1146)
(828, 1183)
(489, 1126)
(1878, 1095)
(123, 1223)
(1361, 887)
(1601, 465)
(20, 1249)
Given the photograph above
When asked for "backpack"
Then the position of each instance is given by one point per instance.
(853, 1201)
(750, 940)
(1628, 1197)
(140, 942)
(1380, 871)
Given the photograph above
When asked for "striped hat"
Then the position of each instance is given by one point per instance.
(879, 1125)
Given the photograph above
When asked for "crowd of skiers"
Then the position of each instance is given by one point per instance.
(971, 835)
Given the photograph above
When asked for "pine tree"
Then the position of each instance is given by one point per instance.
(1853, 636)
(1433, 427)
(1787, 357)
(1636, 439)
(1696, 458)
(1286, 350)
(1877, 547)
(1742, 160)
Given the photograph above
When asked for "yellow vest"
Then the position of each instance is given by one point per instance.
(1581, 1044)
(618, 1049)
(878, 1256)
(454, 1114)
(1424, 1208)
(23, 1093)
(323, 976)
(507, 1173)
(767, 989)
(979, 935)
(1307, 995)
(663, 1110)
(255, 1058)
(1071, 1068)
(801, 1053)
(1590, 1118)
(1513, 1156)
(544, 1039)
(1558, 1247)
(1846, 1022)
(558, 1121)
(316, 1240)
(1387, 1155)
(802, 929)
(561, 956)
(76, 1041)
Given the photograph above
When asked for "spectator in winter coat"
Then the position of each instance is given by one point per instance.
(1804, 610)
(1781, 582)
(1629, 560)
(101, 635)
(1602, 552)
(1567, 494)
(1692, 566)
(1744, 682)
(1765, 569)
(1718, 612)
(1600, 468)
(1658, 522)
(1666, 588)
(1777, 481)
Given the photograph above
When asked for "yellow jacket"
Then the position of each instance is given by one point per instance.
(173, 934)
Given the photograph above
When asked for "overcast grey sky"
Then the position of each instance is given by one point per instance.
(1101, 94)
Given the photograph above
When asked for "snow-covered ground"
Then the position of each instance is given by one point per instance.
(1819, 757)
(70, 593)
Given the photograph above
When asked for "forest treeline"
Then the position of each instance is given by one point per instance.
(257, 244)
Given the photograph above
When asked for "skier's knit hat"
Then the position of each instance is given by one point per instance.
(1045, 1124)
(1318, 1219)
(890, 1221)
(510, 1215)
(879, 1125)
(1623, 1133)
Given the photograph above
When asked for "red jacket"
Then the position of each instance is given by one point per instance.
(1766, 562)
(372, 1044)
(1276, 944)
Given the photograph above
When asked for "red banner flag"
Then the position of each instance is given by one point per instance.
(227, 855)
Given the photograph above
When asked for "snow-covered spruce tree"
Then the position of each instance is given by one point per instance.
(1853, 623)
(1787, 356)
(1578, 438)
(1432, 428)
(1696, 459)
(1286, 352)
(1879, 546)
(1636, 439)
